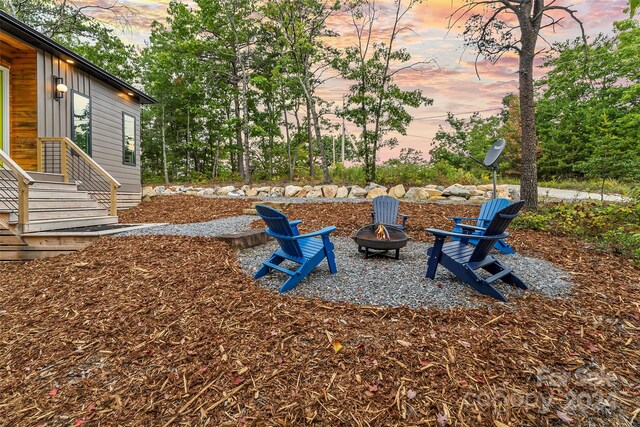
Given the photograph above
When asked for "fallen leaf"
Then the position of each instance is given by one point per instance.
(373, 387)
(79, 421)
(337, 345)
(91, 407)
(465, 344)
(404, 343)
(442, 420)
(411, 394)
(499, 424)
(237, 380)
(564, 417)
(53, 392)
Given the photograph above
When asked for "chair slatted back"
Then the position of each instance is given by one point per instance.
(488, 211)
(278, 223)
(498, 225)
(385, 210)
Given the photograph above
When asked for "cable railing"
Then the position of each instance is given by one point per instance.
(63, 156)
(14, 190)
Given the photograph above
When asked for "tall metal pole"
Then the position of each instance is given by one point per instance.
(495, 179)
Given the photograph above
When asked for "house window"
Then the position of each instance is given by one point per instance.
(81, 123)
(128, 139)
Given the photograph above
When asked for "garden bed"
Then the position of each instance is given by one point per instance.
(166, 330)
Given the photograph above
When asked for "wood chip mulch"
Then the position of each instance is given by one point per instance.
(168, 331)
(182, 209)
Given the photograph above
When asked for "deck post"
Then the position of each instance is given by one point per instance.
(113, 208)
(39, 155)
(23, 203)
(63, 160)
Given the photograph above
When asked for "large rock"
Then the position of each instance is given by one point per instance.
(375, 192)
(315, 192)
(291, 190)
(456, 199)
(398, 191)
(329, 191)
(251, 192)
(485, 187)
(373, 185)
(473, 192)
(417, 193)
(514, 193)
(207, 192)
(342, 193)
(160, 189)
(263, 189)
(433, 192)
(357, 192)
(276, 192)
(304, 191)
(223, 191)
(148, 192)
(478, 199)
(456, 190)
(236, 193)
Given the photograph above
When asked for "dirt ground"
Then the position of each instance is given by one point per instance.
(166, 330)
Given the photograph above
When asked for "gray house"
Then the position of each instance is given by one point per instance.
(70, 137)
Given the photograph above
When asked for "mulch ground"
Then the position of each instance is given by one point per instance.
(169, 331)
(183, 210)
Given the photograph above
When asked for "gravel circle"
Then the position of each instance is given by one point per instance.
(215, 227)
(384, 281)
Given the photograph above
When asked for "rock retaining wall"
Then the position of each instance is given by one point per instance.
(456, 192)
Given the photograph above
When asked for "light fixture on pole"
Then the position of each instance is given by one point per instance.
(59, 88)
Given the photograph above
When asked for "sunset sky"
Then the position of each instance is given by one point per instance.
(452, 83)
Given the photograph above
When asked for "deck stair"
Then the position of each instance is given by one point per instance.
(54, 206)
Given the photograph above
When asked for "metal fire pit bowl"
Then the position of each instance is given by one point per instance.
(366, 238)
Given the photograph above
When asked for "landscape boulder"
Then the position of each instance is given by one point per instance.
(304, 191)
(223, 191)
(315, 192)
(357, 192)
(329, 191)
(398, 191)
(236, 193)
(251, 192)
(373, 185)
(342, 193)
(433, 192)
(456, 190)
(291, 190)
(375, 192)
(263, 189)
(276, 192)
(417, 193)
(478, 199)
(207, 192)
(456, 199)
(148, 192)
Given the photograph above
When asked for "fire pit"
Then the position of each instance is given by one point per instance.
(378, 239)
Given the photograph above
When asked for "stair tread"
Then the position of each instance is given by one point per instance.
(87, 218)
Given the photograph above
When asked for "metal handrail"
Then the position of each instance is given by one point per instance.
(64, 169)
(24, 181)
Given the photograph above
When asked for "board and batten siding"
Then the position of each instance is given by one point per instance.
(107, 106)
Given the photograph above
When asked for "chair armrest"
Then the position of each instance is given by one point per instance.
(405, 216)
(443, 233)
(471, 227)
(457, 219)
(324, 232)
(294, 223)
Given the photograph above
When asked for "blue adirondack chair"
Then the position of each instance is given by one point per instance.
(385, 212)
(304, 249)
(487, 212)
(463, 260)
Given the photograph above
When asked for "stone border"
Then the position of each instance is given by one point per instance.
(453, 193)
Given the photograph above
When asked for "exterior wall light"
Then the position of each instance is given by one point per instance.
(59, 88)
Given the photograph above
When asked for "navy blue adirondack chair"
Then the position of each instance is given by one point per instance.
(385, 212)
(463, 260)
(487, 212)
(304, 249)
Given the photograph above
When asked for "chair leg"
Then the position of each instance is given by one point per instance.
(331, 257)
(264, 270)
(510, 279)
(434, 257)
(504, 247)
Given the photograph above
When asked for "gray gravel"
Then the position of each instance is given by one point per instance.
(389, 282)
(209, 228)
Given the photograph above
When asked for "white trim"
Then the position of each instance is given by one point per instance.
(5, 109)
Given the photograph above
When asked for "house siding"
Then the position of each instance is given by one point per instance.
(107, 106)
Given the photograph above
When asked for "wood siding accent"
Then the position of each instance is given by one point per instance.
(107, 106)
(20, 59)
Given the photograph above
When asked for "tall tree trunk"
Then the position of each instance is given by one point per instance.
(310, 143)
(288, 138)
(311, 108)
(529, 143)
(164, 151)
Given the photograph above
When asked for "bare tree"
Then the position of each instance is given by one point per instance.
(495, 27)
